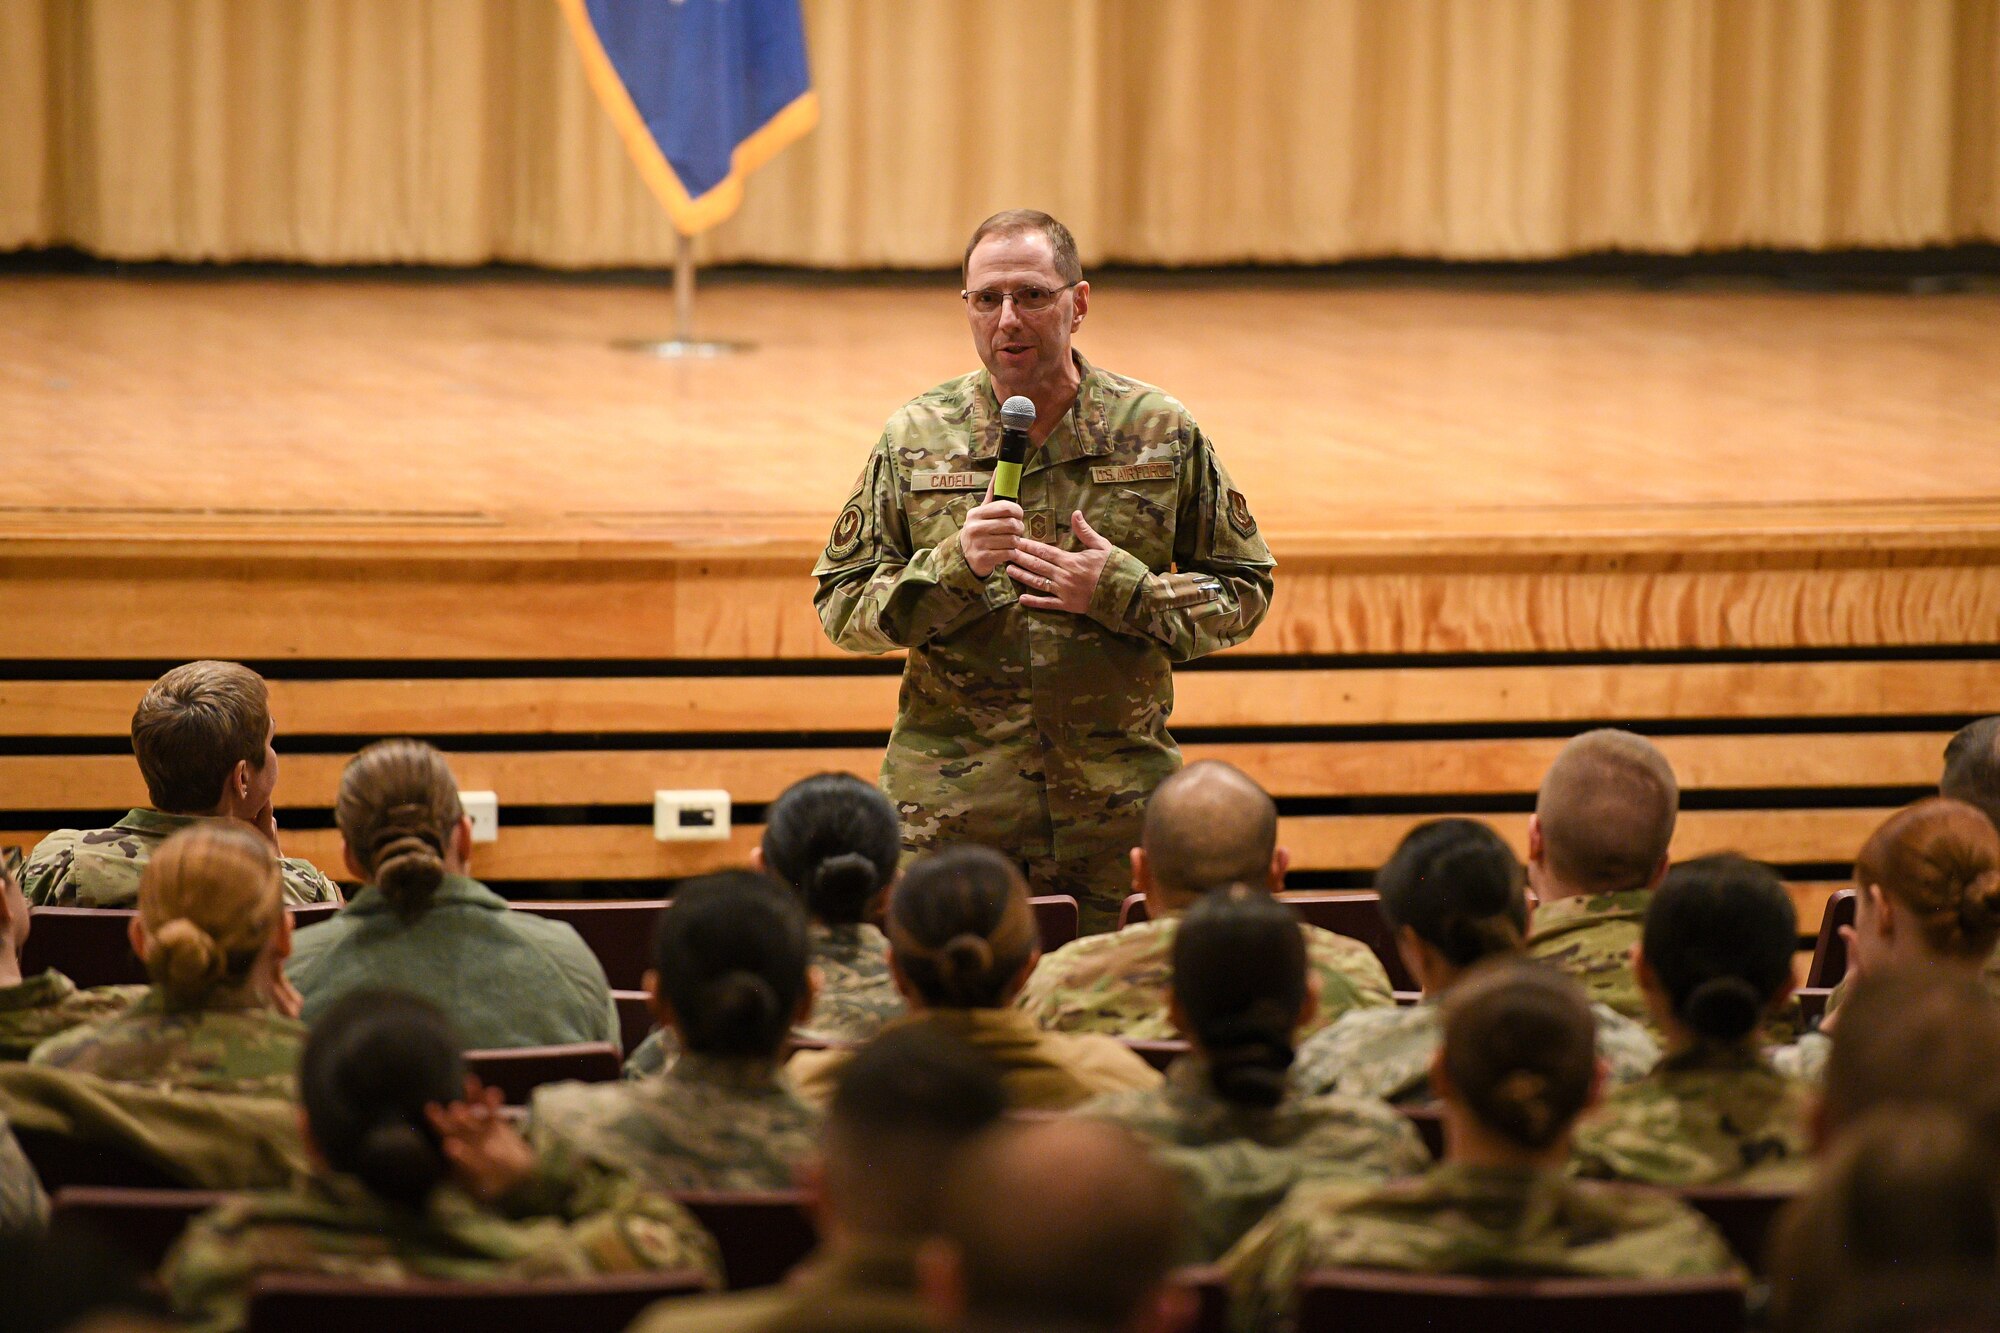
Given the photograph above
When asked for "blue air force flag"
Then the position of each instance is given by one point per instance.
(702, 91)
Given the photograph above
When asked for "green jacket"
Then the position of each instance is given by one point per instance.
(43, 1005)
(101, 867)
(1489, 1221)
(1711, 1115)
(1591, 937)
(23, 1206)
(1040, 732)
(505, 978)
(235, 1043)
(333, 1225)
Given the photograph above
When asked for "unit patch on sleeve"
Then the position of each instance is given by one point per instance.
(846, 538)
(1132, 472)
(1239, 515)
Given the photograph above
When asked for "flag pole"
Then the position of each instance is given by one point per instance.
(684, 346)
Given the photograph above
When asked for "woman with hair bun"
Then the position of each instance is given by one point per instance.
(1231, 1122)
(213, 934)
(731, 976)
(1452, 894)
(1927, 895)
(423, 925)
(419, 1178)
(1714, 962)
(1517, 1067)
(836, 842)
(962, 941)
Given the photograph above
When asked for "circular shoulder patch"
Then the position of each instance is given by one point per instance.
(846, 538)
(1239, 515)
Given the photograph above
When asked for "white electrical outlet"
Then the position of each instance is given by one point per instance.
(690, 816)
(483, 809)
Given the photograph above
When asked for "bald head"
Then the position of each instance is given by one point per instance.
(1606, 813)
(1059, 1223)
(1972, 767)
(1207, 827)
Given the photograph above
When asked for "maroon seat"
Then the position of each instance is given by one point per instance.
(635, 1018)
(1342, 1299)
(1429, 1120)
(518, 1072)
(1158, 1054)
(1209, 1284)
(763, 1234)
(61, 1161)
(1058, 919)
(619, 932)
(1743, 1216)
(302, 1303)
(1812, 1003)
(1829, 960)
(141, 1224)
(1355, 915)
(92, 946)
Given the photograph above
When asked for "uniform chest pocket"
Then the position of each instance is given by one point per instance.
(1146, 523)
(936, 516)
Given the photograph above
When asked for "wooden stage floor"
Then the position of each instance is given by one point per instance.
(1525, 441)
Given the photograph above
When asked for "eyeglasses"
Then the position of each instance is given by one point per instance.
(1027, 300)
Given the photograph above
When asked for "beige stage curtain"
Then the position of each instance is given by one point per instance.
(1164, 131)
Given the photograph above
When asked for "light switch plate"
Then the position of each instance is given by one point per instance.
(483, 809)
(691, 816)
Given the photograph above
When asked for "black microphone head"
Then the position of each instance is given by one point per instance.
(1017, 413)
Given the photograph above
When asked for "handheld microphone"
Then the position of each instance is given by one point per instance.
(1017, 414)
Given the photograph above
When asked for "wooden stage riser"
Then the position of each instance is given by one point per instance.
(171, 607)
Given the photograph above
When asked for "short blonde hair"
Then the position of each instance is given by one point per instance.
(1607, 809)
(193, 726)
(209, 900)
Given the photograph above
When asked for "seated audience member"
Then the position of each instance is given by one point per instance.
(1058, 1225)
(1207, 827)
(836, 841)
(1972, 767)
(1900, 1230)
(422, 925)
(1596, 845)
(1517, 1067)
(1927, 894)
(730, 979)
(1715, 960)
(1231, 1122)
(213, 934)
(23, 1206)
(1452, 896)
(906, 1107)
(416, 1182)
(203, 737)
(962, 941)
(33, 1009)
(1910, 1036)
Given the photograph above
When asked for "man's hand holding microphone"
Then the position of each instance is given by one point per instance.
(995, 532)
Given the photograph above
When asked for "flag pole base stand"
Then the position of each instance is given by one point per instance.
(683, 349)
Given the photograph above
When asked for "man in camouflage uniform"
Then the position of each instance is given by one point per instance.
(1206, 828)
(1033, 715)
(203, 737)
(36, 1008)
(1597, 844)
(23, 1206)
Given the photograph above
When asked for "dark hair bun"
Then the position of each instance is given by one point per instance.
(737, 1007)
(1979, 907)
(1725, 1007)
(1250, 1057)
(840, 887)
(399, 1162)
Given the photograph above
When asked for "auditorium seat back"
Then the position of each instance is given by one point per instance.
(62, 1161)
(619, 932)
(518, 1072)
(1829, 958)
(302, 1303)
(1159, 1054)
(1356, 915)
(763, 1234)
(92, 946)
(141, 1224)
(1743, 1216)
(1058, 919)
(1343, 1299)
(635, 1018)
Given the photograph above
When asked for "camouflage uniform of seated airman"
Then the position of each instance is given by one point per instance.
(705, 1124)
(1707, 1116)
(23, 1206)
(101, 867)
(857, 997)
(1804, 1060)
(1041, 733)
(1235, 1163)
(1387, 1053)
(49, 1003)
(1117, 984)
(333, 1226)
(233, 1044)
(1488, 1221)
(1590, 937)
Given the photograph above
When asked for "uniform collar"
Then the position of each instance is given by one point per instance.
(455, 891)
(1080, 434)
(1588, 909)
(884, 1264)
(738, 1074)
(158, 822)
(44, 990)
(1716, 1056)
